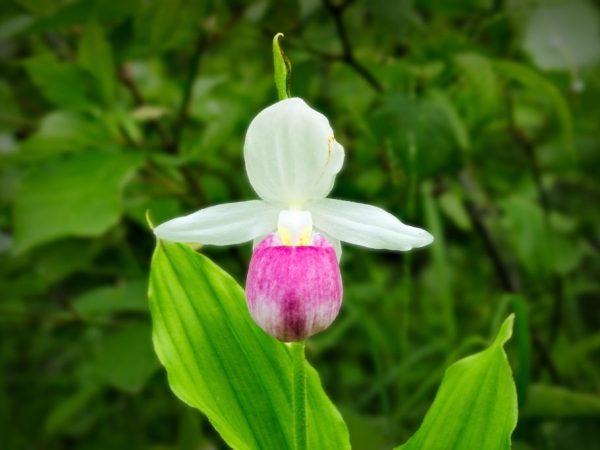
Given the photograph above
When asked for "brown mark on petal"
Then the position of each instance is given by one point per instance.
(330, 143)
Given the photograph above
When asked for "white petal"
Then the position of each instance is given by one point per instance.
(366, 225)
(230, 223)
(290, 153)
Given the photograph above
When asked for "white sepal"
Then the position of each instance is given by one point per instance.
(227, 224)
(290, 153)
(366, 225)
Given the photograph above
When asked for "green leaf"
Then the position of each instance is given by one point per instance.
(62, 83)
(545, 90)
(95, 56)
(161, 209)
(367, 433)
(220, 362)
(100, 302)
(555, 402)
(476, 405)
(65, 132)
(75, 196)
(160, 24)
(528, 234)
(60, 259)
(450, 203)
(36, 6)
(126, 360)
(14, 25)
(441, 265)
(79, 12)
(429, 125)
(64, 412)
(453, 120)
(479, 87)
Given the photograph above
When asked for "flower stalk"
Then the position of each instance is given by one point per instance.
(282, 82)
(299, 395)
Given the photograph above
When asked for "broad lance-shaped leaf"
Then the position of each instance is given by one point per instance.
(220, 362)
(476, 405)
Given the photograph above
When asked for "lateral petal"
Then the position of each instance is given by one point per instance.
(226, 224)
(366, 225)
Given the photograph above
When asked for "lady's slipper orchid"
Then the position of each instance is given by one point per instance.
(293, 286)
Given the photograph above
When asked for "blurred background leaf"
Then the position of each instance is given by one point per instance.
(79, 195)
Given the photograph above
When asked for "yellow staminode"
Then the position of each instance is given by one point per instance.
(294, 227)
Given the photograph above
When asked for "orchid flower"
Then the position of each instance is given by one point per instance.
(294, 286)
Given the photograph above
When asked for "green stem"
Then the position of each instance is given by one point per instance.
(410, 209)
(299, 395)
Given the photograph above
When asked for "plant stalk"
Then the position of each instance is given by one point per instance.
(299, 395)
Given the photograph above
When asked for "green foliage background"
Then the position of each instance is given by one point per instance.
(475, 119)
